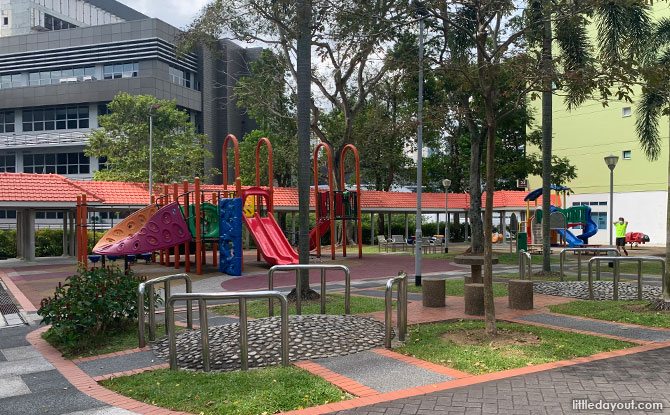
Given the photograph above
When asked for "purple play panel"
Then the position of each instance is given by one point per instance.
(166, 228)
(370, 267)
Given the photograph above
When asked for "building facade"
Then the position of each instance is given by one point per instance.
(62, 61)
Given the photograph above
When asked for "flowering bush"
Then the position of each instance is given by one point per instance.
(91, 302)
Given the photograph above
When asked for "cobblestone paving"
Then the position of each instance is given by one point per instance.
(310, 337)
(643, 377)
(602, 290)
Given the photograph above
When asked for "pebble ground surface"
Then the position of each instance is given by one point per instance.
(602, 290)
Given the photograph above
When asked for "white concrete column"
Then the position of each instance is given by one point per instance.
(406, 226)
(503, 224)
(30, 237)
(19, 233)
(65, 240)
(73, 245)
(389, 225)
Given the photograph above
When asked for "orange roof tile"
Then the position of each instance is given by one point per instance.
(25, 187)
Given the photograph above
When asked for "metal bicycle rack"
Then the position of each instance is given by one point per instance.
(204, 326)
(616, 260)
(401, 281)
(152, 312)
(524, 257)
(298, 286)
(579, 258)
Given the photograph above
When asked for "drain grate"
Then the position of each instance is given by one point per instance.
(7, 306)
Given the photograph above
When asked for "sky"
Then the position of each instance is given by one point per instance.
(178, 13)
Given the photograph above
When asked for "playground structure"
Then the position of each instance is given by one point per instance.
(561, 219)
(197, 217)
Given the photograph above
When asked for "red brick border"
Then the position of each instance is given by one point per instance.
(336, 379)
(88, 385)
(23, 301)
(443, 370)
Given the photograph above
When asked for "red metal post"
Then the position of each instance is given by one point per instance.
(78, 230)
(187, 246)
(198, 240)
(225, 159)
(238, 191)
(265, 141)
(175, 192)
(358, 198)
(330, 198)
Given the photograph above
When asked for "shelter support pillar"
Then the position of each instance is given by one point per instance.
(65, 240)
(467, 226)
(406, 226)
(372, 229)
(389, 225)
(503, 224)
(73, 244)
(19, 233)
(29, 247)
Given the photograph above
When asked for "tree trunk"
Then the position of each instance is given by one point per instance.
(489, 306)
(476, 194)
(547, 107)
(303, 109)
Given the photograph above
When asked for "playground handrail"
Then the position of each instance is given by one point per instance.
(401, 281)
(241, 297)
(329, 152)
(579, 257)
(615, 282)
(298, 284)
(166, 279)
(358, 199)
(523, 258)
(270, 171)
(225, 159)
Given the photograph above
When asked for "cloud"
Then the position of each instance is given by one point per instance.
(178, 13)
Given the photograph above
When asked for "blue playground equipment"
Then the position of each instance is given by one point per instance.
(230, 236)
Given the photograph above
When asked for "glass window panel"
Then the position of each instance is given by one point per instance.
(27, 169)
(39, 215)
(27, 116)
(34, 76)
(27, 159)
(9, 117)
(39, 159)
(72, 124)
(89, 71)
(50, 158)
(67, 73)
(118, 68)
(10, 160)
(83, 111)
(49, 114)
(72, 170)
(84, 169)
(2, 117)
(117, 75)
(83, 123)
(27, 126)
(78, 71)
(51, 215)
(38, 115)
(60, 215)
(38, 126)
(71, 113)
(11, 214)
(55, 74)
(61, 113)
(127, 67)
(83, 158)
(60, 125)
(49, 125)
(2, 128)
(9, 128)
(72, 158)
(61, 169)
(50, 169)
(61, 158)
(3, 214)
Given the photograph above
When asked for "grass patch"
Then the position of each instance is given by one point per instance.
(632, 312)
(115, 340)
(425, 343)
(334, 305)
(259, 391)
(456, 287)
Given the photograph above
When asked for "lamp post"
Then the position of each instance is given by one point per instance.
(422, 13)
(152, 108)
(611, 162)
(446, 183)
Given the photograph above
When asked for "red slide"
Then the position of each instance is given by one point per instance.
(271, 240)
(324, 226)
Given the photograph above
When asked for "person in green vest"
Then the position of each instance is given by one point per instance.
(620, 227)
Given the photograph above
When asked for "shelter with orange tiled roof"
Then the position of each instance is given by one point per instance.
(29, 193)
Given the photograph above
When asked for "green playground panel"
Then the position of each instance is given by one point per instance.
(210, 220)
(574, 214)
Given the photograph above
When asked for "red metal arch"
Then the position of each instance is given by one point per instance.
(329, 152)
(270, 171)
(225, 159)
(358, 198)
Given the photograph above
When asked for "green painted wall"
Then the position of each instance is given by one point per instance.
(591, 132)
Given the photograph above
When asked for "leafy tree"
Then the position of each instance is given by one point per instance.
(179, 152)
(654, 103)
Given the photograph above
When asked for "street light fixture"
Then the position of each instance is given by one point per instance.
(611, 162)
(446, 183)
(151, 108)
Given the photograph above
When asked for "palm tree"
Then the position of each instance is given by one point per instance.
(655, 102)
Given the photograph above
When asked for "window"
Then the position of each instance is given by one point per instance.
(58, 76)
(600, 218)
(7, 121)
(58, 163)
(575, 203)
(626, 154)
(10, 81)
(121, 70)
(602, 203)
(5, 21)
(102, 163)
(103, 109)
(56, 118)
(54, 23)
(626, 112)
(181, 77)
(48, 214)
(7, 164)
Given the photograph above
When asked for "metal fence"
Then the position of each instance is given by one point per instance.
(401, 281)
(525, 260)
(167, 279)
(617, 260)
(298, 284)
(204, 326)
(579, 258)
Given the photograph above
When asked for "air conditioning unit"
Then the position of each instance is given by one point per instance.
(70, 80)
(88, 78)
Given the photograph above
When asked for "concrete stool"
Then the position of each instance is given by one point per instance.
(433, 292)
(520, 294)
(474, 299)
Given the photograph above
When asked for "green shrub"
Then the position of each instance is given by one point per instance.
(8, 244)
(91, 302)
(48, 242)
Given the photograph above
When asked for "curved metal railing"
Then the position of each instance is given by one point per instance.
(616, 260)
(579, 257)
(167, 279)
(401, 281)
